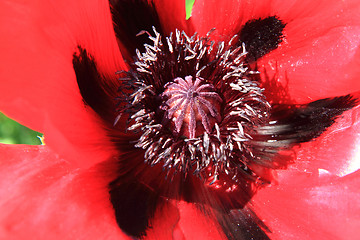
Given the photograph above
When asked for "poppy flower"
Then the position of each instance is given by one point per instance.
(241, 122)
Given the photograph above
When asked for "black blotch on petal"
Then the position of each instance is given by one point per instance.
(242, 224)
(299, 123)
(130, 17)
(262, 36)
(134, 206)
(91, 85)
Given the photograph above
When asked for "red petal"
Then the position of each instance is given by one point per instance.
(323, 210)
(180, 221)
(163, 225)
(173, 16)
(228, 16)
(38, 85)
(44, 198)
(318, 197)
(194, 224)
(337, 150)
(319, 56)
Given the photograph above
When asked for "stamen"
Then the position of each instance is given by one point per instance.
(195, 104)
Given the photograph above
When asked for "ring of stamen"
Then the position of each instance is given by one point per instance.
(194, 105)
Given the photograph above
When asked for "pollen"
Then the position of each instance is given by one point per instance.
(192, 107)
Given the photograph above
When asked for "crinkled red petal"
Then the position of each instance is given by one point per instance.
(38, 85)
(312, 209)
(318, 197)
(319, 56)
(44, 197)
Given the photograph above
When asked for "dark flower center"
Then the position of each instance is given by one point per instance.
(194, 105)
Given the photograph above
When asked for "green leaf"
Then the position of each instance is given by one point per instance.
(188, 7)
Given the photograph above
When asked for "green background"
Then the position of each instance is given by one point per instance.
(12, 132)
